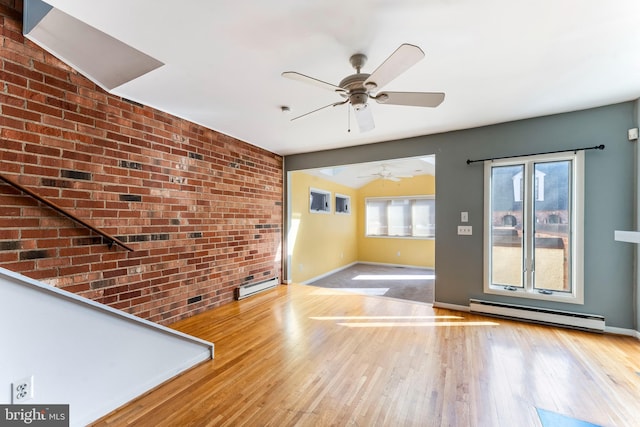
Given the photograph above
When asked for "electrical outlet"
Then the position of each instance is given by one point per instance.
(22, 390)
(465, 230)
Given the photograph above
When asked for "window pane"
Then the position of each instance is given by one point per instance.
(319, 201)
(399, 212)
(343, 204)
(400, 217)
(552, 214)
(376, 218)
(424, 218)
(507, 244)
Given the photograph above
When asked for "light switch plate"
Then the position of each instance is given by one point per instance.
(464, 216)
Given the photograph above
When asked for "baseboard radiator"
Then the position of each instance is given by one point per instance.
(590, 322)
(245, 291)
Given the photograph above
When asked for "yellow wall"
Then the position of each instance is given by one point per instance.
(323, 242)
(326, 242)
(415, 252)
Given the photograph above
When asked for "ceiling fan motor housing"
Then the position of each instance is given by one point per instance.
(358, 93)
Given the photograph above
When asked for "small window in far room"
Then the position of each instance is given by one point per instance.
(343, 204)
(319, 201)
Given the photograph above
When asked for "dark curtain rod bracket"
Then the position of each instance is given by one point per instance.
(597, 147)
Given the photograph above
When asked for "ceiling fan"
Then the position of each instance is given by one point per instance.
(385, 173)
(358, 88)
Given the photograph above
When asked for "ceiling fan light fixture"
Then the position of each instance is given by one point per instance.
(358, 100)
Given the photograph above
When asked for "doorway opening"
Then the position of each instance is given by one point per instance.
(395, 198)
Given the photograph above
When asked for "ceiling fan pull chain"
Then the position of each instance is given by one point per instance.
(348, 119)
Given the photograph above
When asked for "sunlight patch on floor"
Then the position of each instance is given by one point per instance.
(359, 291)
(383, 317)
(414, 324)
(394, 277)
(366, 291)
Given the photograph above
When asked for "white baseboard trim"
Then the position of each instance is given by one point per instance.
(448, 306)
(607, 329)
(322, 276)
(384, 264)
(622, 331)
(313, 279)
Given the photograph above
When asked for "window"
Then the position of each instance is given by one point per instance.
(319, 201)
(408, 217)
(343, 204)
(534, 227)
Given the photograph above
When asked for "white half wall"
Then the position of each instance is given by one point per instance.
(83, 353)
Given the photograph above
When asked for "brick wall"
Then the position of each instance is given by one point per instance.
(202, 211)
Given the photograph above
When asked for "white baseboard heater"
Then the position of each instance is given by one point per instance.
(591, 322)
(245, 291)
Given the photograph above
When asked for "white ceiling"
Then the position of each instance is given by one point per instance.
(394, 170)
(496, 60)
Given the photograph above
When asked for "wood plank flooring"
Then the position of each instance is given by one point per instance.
(305, 356)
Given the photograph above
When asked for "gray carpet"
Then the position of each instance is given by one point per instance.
(415, 284)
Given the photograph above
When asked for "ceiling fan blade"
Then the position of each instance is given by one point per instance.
(416, 99)
(321, 108)
(364, 117)
(400, 61)
(306, 79)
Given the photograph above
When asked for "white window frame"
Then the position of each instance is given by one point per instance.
(401, 198)
(327, 194)
(348, 204)
(576, 296)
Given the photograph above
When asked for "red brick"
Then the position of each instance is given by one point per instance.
(79, 118)
(66, 86)
(44, 109)
(14, 79)
(20, 113)
(23, 71)
(46, 89)
(12, 123)
(43, 130)
(51, 70)
(65, 122)
(17, 57)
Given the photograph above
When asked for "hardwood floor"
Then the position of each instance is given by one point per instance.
(305, 356)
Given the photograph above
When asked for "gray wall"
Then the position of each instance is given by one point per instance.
(609, 199)
(637, 200)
